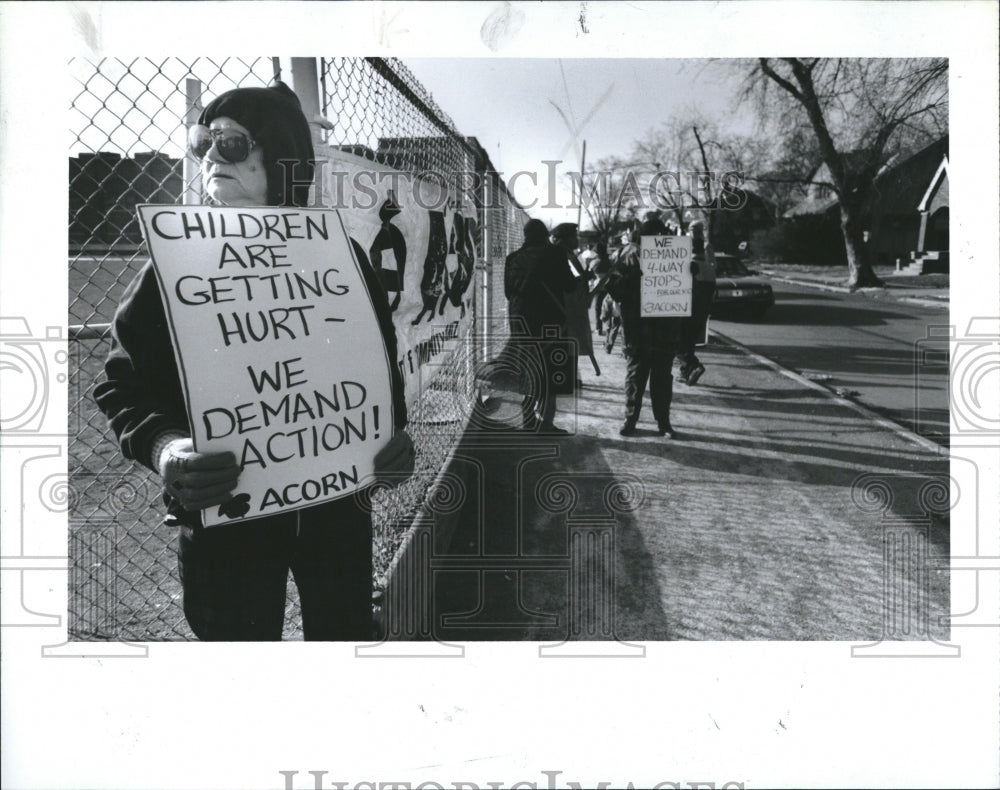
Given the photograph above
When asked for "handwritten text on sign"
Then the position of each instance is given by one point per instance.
(279, 349)
(666, 276)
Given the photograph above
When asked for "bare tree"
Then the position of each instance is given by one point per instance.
(784, 173)
(701, 168)
(608, 191)
(862, 113)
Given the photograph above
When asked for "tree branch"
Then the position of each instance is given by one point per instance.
(778, 79)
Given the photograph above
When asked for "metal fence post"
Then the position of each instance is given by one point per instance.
(190, 169)
(487, 269)
(305, 83)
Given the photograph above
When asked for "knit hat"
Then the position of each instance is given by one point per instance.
(275, 120)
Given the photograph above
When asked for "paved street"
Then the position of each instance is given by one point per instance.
(757, 523)
(854, 343)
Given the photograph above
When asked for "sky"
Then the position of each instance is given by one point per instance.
(508, 105)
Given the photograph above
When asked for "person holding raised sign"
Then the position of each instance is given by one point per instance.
(255, 148)
(650, 343)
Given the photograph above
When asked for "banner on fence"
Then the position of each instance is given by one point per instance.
(667, 281)
(420, 233)
(279, 349)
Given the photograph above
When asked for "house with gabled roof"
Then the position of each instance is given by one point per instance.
(906, 218)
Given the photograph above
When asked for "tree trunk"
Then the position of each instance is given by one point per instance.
(859, 269)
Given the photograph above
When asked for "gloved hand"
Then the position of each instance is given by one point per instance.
(694, 267)
(394, 462)
(197, 480)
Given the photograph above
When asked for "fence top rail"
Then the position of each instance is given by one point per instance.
(89, 331)
(385, 70)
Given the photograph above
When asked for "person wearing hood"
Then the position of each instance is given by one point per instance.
(255, 148)
(650, 343)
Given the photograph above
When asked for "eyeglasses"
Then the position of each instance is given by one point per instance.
(233, 145)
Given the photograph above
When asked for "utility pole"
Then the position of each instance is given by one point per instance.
(583, 162)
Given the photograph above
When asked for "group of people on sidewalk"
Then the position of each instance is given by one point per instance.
(547, 286)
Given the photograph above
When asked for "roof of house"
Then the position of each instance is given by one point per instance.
(812, 204)
(935, 183)
(899, 187)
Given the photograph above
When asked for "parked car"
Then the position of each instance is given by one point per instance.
(738, 292)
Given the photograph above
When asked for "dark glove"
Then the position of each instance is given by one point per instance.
(197, 480)
(694, 267)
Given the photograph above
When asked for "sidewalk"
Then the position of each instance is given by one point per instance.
(751, 525)
(929, 290)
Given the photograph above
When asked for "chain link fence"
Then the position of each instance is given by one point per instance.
(129, 121)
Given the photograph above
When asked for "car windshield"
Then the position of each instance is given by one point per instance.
(730, 267)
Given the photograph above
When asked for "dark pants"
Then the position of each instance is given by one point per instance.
(597, 300)
(529, 341)
(539, 402)
(235, 577)
(652, 364)
(693, 328)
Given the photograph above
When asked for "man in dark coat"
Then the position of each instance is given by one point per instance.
(536, 278)
(650, 343)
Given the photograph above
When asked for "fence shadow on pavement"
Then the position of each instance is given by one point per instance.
(546, 547)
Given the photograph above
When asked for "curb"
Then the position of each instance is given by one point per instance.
(923, 302)
(864, 411)
(840, 289)
(941, 304)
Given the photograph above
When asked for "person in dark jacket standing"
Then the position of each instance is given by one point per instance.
(597, 288)
(536, 278)
(693, 328)
(255, 149)
(565, 238)
(650, 343)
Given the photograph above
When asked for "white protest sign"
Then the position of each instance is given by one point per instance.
(279, 349)
(667, 281)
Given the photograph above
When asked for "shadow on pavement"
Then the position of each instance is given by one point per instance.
(540, 544)
(842, 314)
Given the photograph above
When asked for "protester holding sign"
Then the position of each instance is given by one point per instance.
(256, 149)
(694, 327)
(650, 343)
